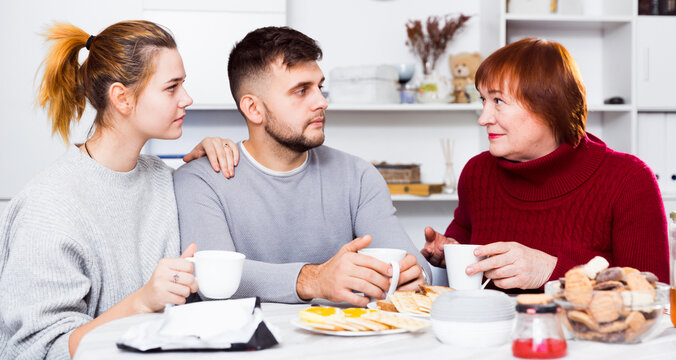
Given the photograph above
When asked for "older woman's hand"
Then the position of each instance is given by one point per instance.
(433, 250)
(512, 265)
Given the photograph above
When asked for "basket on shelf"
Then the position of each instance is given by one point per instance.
(399, 173)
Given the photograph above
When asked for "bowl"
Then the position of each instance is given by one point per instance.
(612, 316)
(469, 334)
(473, 318)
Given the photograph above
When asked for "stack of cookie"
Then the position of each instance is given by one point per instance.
(614, 305)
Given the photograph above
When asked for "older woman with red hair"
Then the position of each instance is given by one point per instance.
(548, 196)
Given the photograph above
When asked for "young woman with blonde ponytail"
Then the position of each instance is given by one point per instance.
(95, 236)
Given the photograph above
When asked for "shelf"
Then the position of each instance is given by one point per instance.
(433, 197)
(405, 107)
(212, 107)
(425, 107)
(609, 108)
(366, 107)
(657, 109)
(554, 21)
(665, 197)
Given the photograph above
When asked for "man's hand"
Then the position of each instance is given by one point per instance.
(223, 154)
(411, 274)
(512, 265)
(346, 271)
(433, 250)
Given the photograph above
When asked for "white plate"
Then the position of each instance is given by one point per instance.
(374, 306)
(299, 324)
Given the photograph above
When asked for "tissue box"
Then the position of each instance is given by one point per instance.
(364, 85)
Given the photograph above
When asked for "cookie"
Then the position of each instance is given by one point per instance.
(583, 318)
(610, 274)
(635, 320)
(636, 281)
(609, 285)
(594, 266)
(396, 321)
(578, 289)
(613, 327)
(627, 271)
(638, 300)
(614, 337)
(605, 306)
(650, 277)
(590, 335)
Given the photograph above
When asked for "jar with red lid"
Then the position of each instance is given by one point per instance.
(537, 332)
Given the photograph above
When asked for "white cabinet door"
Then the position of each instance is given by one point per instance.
(205, 32)
(669, 182)
(652, 147)
(656, 62)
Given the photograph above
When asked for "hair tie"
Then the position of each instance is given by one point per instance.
(89, 41)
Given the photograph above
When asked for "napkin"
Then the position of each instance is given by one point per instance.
(220, 324)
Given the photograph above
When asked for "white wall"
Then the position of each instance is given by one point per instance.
(359, 32)
(26, 144)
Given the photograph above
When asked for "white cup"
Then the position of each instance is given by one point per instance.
(391, 256)
(458, 257)
(218, 272)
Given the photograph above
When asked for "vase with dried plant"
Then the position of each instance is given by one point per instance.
(428, 42)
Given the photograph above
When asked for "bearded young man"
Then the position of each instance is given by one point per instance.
(298, 210)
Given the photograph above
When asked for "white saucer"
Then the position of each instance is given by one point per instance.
(297, 323)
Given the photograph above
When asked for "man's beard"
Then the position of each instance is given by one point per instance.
(285, 137)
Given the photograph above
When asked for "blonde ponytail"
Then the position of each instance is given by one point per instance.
(61, 92)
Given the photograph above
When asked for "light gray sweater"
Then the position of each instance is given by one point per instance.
(77, 240)
(284, 220)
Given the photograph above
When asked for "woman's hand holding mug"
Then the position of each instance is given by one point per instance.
(171, 283)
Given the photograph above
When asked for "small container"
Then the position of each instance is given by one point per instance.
(537, 332)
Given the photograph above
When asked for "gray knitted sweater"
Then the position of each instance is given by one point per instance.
(77, 240)
(284, 220)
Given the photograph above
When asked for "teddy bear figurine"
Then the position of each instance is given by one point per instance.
(463, 68)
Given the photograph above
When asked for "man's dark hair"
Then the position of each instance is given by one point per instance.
(251, 57)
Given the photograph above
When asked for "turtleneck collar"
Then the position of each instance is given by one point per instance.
(553, 175)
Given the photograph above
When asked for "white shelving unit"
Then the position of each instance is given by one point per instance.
(433, 197)
(601, 39)
(619, 54)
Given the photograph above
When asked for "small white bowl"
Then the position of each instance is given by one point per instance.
(473, 334)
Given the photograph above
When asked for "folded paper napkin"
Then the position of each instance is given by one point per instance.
(222, 324)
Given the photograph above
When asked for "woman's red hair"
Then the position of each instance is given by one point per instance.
(546, 81)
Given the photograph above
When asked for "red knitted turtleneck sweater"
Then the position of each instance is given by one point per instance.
(574, 203)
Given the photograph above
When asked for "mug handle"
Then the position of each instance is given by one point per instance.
(191, 259)
(394, 281)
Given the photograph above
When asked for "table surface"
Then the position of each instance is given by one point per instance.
(295, 343)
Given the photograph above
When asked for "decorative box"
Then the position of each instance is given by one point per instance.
(399, 173)
(364, 85)
(416, 189)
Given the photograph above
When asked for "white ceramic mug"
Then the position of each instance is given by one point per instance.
(218, 272)
(458, 257)
(391, 256)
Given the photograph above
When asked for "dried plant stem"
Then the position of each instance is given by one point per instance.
(430, 43)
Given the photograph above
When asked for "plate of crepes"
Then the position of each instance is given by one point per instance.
(355, 321)
(413, 303)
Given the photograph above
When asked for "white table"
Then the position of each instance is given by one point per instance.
(300, 344)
